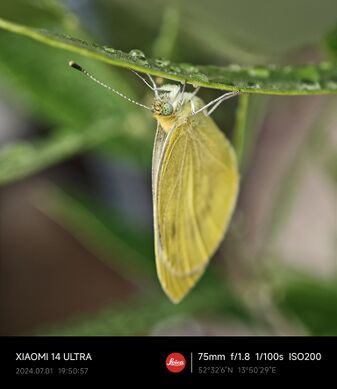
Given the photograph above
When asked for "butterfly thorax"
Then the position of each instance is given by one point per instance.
(173, 108)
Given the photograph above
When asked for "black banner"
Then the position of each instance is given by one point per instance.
(170, 358)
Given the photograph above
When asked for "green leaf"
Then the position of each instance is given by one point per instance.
(127, 249)
(21, 159)
(166, 40)
(290, 80)
(313, 302)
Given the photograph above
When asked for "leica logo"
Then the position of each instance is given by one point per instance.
(175, 362)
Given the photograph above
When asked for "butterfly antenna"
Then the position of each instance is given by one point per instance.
(86, 73)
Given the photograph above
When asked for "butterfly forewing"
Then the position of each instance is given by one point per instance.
(195, 185)
(174, 286)
(158, 147)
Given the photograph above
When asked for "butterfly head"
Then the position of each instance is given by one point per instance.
(166, 103)
(162, 108)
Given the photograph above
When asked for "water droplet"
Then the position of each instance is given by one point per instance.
(258, 72)
(137, 54)
(109, 49)
(175, 69)
(200, 77)
(188, 68)
(161, 62)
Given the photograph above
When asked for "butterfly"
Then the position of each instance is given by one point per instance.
(195, 184)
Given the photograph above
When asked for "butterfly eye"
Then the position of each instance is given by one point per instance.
(167, 109)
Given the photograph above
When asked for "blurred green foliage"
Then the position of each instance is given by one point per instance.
(312, 302)
(208, 301)
(331, 43)
(80, 116)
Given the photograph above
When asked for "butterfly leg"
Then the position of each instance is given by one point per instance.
(196, 90)
(225, 97)
(192, 107)
(217, 102)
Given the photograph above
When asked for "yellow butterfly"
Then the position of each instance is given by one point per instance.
(195, 184)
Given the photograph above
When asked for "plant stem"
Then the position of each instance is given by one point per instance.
(240, 127)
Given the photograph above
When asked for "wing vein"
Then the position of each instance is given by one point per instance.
(218, 161)
(195, 217)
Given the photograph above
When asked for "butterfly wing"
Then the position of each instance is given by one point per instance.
(173, 286)
(195, 186)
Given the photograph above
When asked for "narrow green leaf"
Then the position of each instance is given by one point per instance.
(290, 80)
(164, 44)
(21, 159)
(103, 231)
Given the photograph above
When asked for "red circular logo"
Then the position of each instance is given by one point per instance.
(175, 363)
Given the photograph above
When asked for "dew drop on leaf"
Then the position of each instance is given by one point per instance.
(175, 69)
(109, 49)
(137, 54)
(161, 62)
(201, 77)
(188, 68)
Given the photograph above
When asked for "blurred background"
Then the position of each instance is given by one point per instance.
(76, 237)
